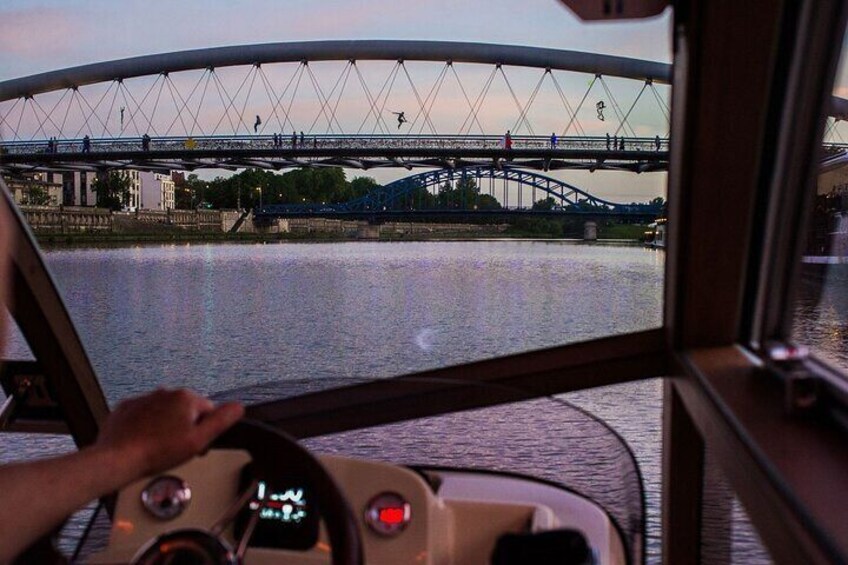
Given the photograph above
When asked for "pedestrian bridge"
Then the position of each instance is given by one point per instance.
(355, 104)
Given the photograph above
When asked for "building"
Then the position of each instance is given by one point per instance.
(54, 189)
(133, 201)
(157, 191)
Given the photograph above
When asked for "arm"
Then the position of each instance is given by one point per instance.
(142, 436)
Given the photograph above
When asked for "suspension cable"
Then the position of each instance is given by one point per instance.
(276, 100)
(467, 100)
(21, 116)
(568, 110)
(523, 115)
(4, 117)
(579, 106)
(156, 103)
(515, 99)
(322, 101)
(617, 109)
(389, 90)
(379, 120)
(177, 108)
(111, 107)
(478, 103)
(232, 101)
(67, 111)
(218, 88)
(339, 96)
(139, 105)
(371, 101)
(326, 109)
(44, 121)
(627, 115)
(254, 72)
(430, 100)
(418, 98)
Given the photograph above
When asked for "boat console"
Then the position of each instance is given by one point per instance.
(402, 515)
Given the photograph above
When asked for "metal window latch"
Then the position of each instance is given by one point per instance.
(801, 388)
(10, 405)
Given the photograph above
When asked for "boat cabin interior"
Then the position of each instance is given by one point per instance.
(751, 95)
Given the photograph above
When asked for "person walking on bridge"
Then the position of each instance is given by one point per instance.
(256, 124)
(553, 140)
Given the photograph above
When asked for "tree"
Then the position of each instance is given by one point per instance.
(360, 186)
(38, 196)
(112, 189)
(544, 204)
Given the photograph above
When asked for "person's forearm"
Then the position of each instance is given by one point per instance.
(63, 484)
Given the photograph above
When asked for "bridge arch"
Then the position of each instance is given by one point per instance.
(396, 194)
(385, 50)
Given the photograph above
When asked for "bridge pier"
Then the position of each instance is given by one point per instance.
(590, 231)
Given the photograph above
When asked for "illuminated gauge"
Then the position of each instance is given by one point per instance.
(388, 514)
(166, 497)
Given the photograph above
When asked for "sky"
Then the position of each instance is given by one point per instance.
(43, 35)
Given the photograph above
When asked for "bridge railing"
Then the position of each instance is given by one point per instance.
(324, 142)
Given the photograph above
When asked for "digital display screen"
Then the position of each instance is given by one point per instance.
(287, 515)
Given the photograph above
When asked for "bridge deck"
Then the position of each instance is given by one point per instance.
(355, 151)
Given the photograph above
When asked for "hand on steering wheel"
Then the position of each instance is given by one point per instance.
(274, 455)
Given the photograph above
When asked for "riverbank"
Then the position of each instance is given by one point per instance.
(123, 239)
(82, 226)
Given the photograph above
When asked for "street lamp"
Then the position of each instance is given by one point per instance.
(259, 188)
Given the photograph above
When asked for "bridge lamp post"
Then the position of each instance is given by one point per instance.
(259, 188)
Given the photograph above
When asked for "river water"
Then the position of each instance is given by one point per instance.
(219, 318)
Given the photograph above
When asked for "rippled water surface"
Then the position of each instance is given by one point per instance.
(222, 317)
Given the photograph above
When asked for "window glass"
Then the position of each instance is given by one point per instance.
(515, 253)
(821, 318)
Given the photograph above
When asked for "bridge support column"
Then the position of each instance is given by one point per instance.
(590, 231)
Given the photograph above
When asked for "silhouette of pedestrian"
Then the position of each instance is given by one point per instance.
(302, 138)
(256, 124)
(294, 140)
(122, 117)
(401, 118)
(553, 140)
(614, 142)
(657, 142)
(145, 142)
(508, 140)
(621, 144)
(608, 142)
(86, 144)
(275, 140)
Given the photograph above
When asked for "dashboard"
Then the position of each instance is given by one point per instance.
(428, 516)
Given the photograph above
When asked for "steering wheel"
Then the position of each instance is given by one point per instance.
(273, 453)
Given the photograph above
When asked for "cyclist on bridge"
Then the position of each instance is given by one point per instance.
(401, 118)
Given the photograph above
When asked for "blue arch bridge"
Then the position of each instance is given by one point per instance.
(467, 192)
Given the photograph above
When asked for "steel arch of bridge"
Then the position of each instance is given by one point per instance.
(568, 198)
(375, 50)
